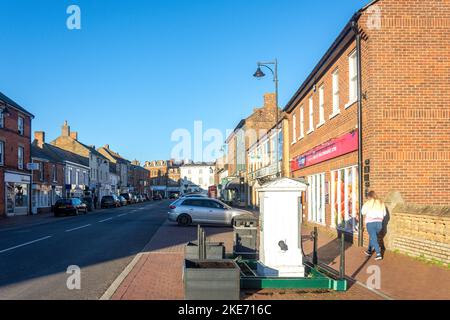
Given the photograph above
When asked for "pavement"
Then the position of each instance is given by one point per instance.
(36, 251)
(156, 273)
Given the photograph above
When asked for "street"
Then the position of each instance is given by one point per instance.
(34, 259)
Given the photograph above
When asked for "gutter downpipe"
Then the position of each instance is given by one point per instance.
(360, 151)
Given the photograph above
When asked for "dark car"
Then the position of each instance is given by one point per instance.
(127, 197)
(123, 201)
(157, 197)
(69, 206)
(89, 202)
(111, 201)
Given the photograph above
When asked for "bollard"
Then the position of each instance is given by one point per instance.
(315, 239)
(342, 262)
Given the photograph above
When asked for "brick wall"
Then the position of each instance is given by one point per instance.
(421, 232)
(407, 111)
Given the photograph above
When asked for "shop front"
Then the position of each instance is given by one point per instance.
(332, 174)
(17, 190)
(44, 196)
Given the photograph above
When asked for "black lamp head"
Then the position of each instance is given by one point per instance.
(259, 73)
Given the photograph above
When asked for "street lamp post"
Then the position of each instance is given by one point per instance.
(260, 74)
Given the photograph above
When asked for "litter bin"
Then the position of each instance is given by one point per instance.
(245, 236)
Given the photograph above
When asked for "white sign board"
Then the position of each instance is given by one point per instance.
(33, 166)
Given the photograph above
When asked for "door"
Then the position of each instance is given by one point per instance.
(196, 209)
(10, 199)
(215, 212)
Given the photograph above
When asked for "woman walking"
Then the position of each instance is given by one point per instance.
(374, 212)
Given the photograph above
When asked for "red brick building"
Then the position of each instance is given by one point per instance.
(15, 140)
(48, 179)
(390, 65)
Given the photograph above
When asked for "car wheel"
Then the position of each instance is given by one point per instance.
(184, 220)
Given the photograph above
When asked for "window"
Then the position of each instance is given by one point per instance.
(200, 180)
(294, 128)
(321, 107)
(41, 171)
(54, 173)
(2, 119)
(311, 115)
(2, 153)
(344, 199)
(353, 78)
(20, 154)
(316, 198)
(302, 122)
(20, 125)
(335, 92)
(69, 176)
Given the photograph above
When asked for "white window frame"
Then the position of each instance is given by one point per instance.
(21, 125)
(2, 118)
(321, 106)
(354, 171)
(311, 115)
(2, 153)
(352, 79)
(302, 123)
(335, 93)
(20, 157)
(316, 199)
(294, 128)
(41, 171)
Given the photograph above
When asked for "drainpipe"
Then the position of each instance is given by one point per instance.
(360, 151)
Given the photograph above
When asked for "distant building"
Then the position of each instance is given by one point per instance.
(121, 167)
(164, 176)
(139, 180)
(15, 154)
(196, 177)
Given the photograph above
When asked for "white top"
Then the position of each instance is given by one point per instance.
(374, 211)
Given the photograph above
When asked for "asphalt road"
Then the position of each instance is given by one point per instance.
(34, 259)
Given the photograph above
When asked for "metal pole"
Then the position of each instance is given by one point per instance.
(276, 126)
(315, 239)
(342, 261)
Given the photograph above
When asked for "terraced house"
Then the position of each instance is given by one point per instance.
(371, 115)
(15, 141)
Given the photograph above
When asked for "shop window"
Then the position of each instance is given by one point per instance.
(316, 198)
(344, 199)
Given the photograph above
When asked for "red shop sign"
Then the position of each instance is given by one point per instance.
(329, 150)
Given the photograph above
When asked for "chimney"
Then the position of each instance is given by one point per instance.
(65, 132)
(74, 135)
(39, 136)
(107, 146)
(270, 101)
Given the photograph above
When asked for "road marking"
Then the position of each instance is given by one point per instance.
(25, 244)
(88, 225)
(105, 220)
(123, 214)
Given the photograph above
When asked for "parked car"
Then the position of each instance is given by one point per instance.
(194, 195)
(123, 201)
(141, 198)
(135, 198)
(111, 201)
(71, 206)
(127, 197)
(89, 202)
(194, 210)
(157, 196)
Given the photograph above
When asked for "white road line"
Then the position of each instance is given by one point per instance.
(24, 244)
(105, 220)
(88, 225)
(123, 214)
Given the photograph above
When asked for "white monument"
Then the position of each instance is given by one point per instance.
(280, 249)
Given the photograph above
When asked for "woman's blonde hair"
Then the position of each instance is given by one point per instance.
(372, 195)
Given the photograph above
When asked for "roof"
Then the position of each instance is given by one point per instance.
(14, 104)
(335, 49)
(113, 154)
(55, 154)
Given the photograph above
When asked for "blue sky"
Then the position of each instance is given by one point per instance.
(138, 70)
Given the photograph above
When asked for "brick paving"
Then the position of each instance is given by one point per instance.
(158, 273)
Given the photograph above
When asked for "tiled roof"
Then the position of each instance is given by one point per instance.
(55, 154)
(14, 104)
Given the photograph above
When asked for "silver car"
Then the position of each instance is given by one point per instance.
(203, 210)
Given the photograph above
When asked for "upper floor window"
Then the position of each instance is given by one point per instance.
(353, 77)
(321, 106)
(54, 173)
(20, 125)
(41, 171)
(2, 118)
(335, 92)
(294, 128)
(20, 157)
(2, 153)
(302, 122)
(311, 115)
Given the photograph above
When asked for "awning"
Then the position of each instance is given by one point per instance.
(234, 184)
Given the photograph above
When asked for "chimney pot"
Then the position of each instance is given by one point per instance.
(65, 130)
(39, 136)
(74, 135)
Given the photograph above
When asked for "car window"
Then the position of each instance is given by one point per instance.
(194, 203)
(213, 204)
